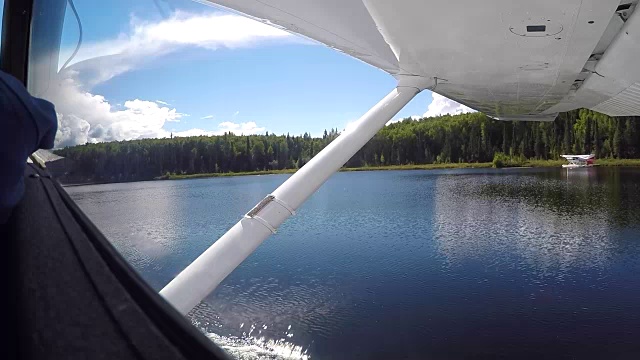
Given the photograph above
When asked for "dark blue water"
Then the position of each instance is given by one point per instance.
(517, 263)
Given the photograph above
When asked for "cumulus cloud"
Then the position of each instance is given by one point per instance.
(443, 106)
(84, 116)
(412, 117)
(87, 118)
(439, 106)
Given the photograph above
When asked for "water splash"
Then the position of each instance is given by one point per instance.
(250, 348)
(245, 340)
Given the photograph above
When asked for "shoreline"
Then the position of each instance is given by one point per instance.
(485, 165)
(364, 168)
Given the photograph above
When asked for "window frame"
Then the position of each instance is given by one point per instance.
(16, 31)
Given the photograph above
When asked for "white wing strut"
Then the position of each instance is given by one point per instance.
(203, 275)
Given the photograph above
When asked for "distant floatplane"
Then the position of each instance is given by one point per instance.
(578, 161)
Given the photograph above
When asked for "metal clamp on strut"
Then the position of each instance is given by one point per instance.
(253, 213)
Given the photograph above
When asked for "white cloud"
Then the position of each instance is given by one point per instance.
(84, 117)
(350, 125)
(105, 59)
(87, 117)
(206, 117)
(236, 113)
(248, 128)
(442, 106)
(413, 117)
(439, 106)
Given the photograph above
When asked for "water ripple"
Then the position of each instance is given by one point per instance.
(403, 264)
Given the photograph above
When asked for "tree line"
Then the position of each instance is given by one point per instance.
(471, 137)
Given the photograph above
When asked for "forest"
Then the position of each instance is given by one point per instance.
(471, 137)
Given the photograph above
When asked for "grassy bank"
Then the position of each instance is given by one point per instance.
(208, 175)
(365, 168)
(525, 163)
(558, 163)
(618, 162)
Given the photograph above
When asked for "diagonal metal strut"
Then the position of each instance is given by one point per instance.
(204, 274)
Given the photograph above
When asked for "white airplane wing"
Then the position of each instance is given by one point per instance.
(586, 157)
(511, 59)
(578, 157)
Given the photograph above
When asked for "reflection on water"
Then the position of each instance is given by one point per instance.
(407, 264)
(540, 221)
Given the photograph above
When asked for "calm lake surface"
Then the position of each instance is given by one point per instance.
(514, 263)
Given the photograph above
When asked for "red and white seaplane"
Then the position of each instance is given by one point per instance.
(578, 161)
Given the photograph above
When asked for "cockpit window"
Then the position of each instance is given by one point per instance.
(124, 71)
(132, 80)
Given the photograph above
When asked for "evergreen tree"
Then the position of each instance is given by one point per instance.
(587, 136)
(259, 158)
(629, 138)
(538, 145)
(596, 140)
(568, 125)
(617, 139)
(505, 141)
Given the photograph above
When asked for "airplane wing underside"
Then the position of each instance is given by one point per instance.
(511, 59)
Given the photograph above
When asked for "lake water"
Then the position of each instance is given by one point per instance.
(514, 263)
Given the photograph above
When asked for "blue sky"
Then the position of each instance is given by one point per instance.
(148, 68)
